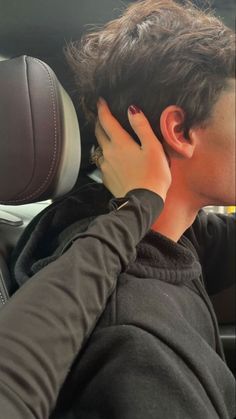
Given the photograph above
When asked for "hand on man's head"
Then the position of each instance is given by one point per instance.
(124, 164)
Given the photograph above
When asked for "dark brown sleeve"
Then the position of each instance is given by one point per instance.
(46, 322)
(214, 236)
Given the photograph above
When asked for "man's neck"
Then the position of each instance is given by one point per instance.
(177, 216)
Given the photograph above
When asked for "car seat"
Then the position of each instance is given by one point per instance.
(40, 150)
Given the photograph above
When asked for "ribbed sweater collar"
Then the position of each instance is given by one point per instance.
(161, 258)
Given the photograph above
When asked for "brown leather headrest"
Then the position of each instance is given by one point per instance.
(40, 150)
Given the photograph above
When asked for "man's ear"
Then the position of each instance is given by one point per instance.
(172, 128)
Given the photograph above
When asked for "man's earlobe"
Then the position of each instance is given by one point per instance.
(172, 127)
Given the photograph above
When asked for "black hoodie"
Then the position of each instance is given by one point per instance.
(155, 351)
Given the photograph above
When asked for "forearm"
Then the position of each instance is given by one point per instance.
(45, 324)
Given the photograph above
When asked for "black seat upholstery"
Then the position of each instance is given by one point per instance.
(39, 133)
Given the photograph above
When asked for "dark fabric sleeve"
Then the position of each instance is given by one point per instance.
(46, 322)
(213, 236)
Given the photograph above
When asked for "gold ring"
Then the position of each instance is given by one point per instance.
(96, 155)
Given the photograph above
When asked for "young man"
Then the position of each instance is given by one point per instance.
(176, 64)
(155, 351)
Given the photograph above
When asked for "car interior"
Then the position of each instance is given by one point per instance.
(45, 144)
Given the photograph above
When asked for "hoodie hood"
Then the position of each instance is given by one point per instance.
(52, 232)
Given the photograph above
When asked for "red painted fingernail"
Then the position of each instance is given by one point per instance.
(133, 109)
(101, 101)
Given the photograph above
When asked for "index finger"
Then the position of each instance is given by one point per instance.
(109, 123)
(141, 125)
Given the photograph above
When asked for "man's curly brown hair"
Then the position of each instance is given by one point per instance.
(158, 53)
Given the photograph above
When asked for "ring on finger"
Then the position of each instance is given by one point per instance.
(97, 155)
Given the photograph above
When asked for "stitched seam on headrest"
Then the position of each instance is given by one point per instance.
(32, 127)
(55, 136)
